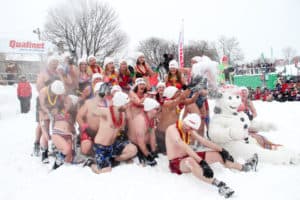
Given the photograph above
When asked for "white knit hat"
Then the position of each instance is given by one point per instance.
(170, 91)
(96, 75)
(90, 57)
(108, 60)
(193, 120)
(81, 60)
(57, 87)
(73, 98)
(173, 64)
(139, 81)
(140, 54)
(52, 58)
(161, 84)
(97, 86)
(115, 88)
(120, 99)
(122, 60)
(150, 104)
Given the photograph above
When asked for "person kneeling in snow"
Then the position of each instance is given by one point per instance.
(182, 158)
(110, 147)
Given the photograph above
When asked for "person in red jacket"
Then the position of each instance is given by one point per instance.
(24, 94)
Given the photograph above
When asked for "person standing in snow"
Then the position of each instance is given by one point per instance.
(24, 92)
(51, 100)
(182, 158)
(142, 132)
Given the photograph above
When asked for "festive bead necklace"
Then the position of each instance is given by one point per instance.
(113, 117)
(52, 103)
(143, 72)
(184, 136)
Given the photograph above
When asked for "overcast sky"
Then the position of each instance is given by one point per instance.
(257, 24)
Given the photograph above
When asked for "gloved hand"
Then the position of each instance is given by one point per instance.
(154, 154)
(207, 171)
(150, 160)
(226, 156)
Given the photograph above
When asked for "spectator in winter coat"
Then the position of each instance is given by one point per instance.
(24, 94)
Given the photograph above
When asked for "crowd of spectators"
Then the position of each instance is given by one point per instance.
(285, 90)
(251, 68)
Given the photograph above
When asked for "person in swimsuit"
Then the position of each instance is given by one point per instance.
(51, 100)
(143, 70)
(142, 132)
(110, 75)
(62, 132)
(182, 158)
(108, 146)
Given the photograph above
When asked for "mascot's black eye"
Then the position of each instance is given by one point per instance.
(229, 97)
(237, 97)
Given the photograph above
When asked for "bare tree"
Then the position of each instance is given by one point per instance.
(230, 48)
(154, 49)
(288, 54)
(87, 27)
(199, 48)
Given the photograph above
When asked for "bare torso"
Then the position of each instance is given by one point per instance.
(174, 150)
(168, 116)
(107, 132)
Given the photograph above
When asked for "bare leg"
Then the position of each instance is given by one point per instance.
(86, 147)
(63, 146)
(212, 157)
(128, 152)
(190, 165)
(96, 170)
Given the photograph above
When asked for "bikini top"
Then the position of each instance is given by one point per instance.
(63, 116)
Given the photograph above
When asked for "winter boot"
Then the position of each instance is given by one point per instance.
(224, 190)
(36, 149)
(250, 164)
(59, 160)
(45, 158)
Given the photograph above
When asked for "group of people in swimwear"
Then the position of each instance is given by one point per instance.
(116, 115)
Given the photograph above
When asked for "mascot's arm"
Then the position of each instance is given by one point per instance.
(257, 126)
(206, 142)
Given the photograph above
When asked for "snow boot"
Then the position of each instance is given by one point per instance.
(251, 163)
(36, 149)
(45, 158)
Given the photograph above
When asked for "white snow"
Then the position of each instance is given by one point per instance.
(24, 177)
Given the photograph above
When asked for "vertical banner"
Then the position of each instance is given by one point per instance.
(180, 47)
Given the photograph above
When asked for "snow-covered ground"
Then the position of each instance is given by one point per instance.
(24, 177)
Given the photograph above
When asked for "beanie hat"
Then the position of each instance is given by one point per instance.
(150, 104)
(108, 60)
(57, 87)
(173, 64)
(96, 75)
(91, 57)
(73, 98)
(192, 120)
(81, 60)
(139, 81)
(140, 54)
(170, 91)
(120, 99)
(115, 88)
(160, 84)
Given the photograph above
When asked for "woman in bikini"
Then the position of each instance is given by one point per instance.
(143, 70)
(248, 107)
(175, 77)
(63, 131)
(124, 77)
(110, 75)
